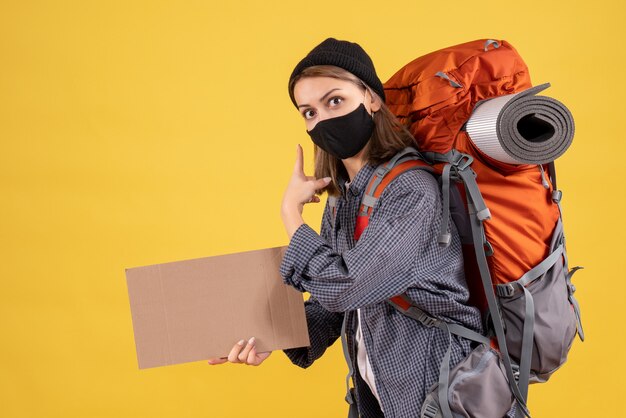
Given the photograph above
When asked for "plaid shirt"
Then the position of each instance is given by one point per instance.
(397, 252)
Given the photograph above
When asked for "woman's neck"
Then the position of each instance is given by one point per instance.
(354, 164)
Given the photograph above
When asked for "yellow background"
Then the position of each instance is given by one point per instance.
(141, 132)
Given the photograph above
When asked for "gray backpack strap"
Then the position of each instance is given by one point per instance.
(508, 289)
(332, 204)
(459, 167)
(478, 234)
(456, 166)
(574, 302)
(408, 153)
(444, 236)
(430, 321)
(570, 286)
(552, 174)
(527, 344)
(383, 169)
(449, 328)
(557, 195)
(350, 396)
(531, 275)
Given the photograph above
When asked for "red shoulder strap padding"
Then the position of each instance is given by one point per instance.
(361, 224)
(401, 302)
(362, 219)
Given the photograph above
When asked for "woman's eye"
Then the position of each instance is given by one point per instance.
(335, 101)
(308, 114)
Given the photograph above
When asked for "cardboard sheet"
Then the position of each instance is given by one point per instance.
(197, 309)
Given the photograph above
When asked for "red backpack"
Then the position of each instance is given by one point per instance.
(508, 214)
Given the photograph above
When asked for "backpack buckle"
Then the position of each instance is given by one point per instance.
(350, 396)
(462, 161)
(515, 370)
(505, 290)
(427, 320)
(430, 411)
(487, 244)
(382, 171)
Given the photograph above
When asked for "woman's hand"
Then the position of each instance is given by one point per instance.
(300, 191)
(243, 355)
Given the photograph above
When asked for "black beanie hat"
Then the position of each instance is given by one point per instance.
(347, 55)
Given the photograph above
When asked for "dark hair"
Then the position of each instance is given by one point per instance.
(389, 136)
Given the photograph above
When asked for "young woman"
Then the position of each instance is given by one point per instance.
(396, 359)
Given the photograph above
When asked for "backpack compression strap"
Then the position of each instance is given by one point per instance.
(478, 213)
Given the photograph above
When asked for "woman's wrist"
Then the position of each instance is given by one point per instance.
(292, 219)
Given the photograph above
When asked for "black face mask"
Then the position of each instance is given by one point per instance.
(344, 136)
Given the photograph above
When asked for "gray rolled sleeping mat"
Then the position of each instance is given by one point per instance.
(521, 128)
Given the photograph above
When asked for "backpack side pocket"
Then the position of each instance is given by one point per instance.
(478, 388)
(554, 318)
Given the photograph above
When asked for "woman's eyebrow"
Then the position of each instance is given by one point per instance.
(323, 97)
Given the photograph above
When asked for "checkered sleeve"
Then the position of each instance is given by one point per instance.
(386, 259)
(324, 329)
(324, 326)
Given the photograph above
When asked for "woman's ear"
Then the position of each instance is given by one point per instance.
(374, 102)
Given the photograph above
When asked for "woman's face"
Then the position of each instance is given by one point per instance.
(320, 98)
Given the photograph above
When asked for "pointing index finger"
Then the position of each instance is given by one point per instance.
(299, 167)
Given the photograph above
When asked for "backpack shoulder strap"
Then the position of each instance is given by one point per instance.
(332, 205)
(403, 304)
(407, 159)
